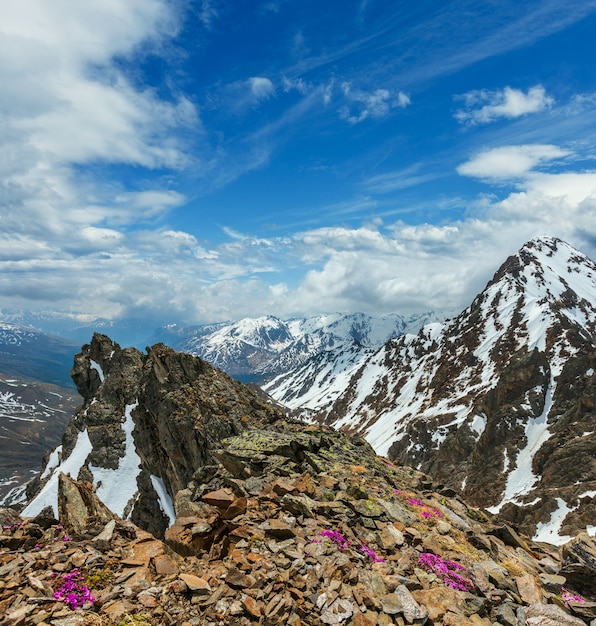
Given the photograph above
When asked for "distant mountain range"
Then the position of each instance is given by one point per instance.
(33, 416)
(36, 355)
(254, 350)
(80, 328)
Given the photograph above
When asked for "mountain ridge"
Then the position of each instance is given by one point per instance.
(429, 400)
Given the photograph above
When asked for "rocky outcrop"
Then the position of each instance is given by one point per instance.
(300, 525)
(147, 424)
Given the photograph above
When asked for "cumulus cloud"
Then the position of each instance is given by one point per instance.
(483, 106)
(375, 104)
(510, 161)
(261, 88)
(68, 105)
(375, 268)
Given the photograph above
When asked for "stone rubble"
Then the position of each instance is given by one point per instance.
(297, 525)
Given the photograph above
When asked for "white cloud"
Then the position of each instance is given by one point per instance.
(261, 88)
(241, 96)
(510, 161)
(66, 105)
(483, 107)
(410, 176)
(208, 13)
(374, 268)
(375, 104)
(104, 238)
(296, 84)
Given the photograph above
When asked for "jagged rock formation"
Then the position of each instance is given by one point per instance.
(147, 424)
(294, 525)
(500, 401)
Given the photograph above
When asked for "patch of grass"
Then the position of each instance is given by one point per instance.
(475, 515)
(512, 567)
(100, 580)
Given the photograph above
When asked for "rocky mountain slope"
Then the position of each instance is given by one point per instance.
(29, 353)
(179, 496)
(254, 349)
(293, 525)
(33, 416)
(500, 401)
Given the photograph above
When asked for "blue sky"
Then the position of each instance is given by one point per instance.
(205, 160)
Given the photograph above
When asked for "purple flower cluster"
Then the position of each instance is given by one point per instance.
(344, 543)
(428, 512)
(568, 597)
(371, 553)
(339, 539)
(73, 591)
(449, 572)
(12, 527)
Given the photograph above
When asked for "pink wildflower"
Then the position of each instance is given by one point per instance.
(371, 553)
(568, 597)
(337, 537)
(447, 571)
(73, 591)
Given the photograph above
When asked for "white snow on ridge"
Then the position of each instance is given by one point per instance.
(116, 487)
(478, 424)
(71, 466)
(522, 479)
(549, 532)
(163, 499)
(53, 462)
(97, 367)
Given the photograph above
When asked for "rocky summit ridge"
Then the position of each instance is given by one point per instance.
(179, 496)
(293, 524)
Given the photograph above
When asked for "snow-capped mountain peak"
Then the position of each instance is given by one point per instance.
(259, 348)
(478, 400)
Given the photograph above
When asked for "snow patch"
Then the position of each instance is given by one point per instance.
(71, 466)
(163, 498)
(479, 423)
(53, 462)
(549, 532)
(97, 367)
(116, 487)
(522, 478)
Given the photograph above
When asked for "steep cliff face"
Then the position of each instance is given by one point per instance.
(148, 422)
(498, 402)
